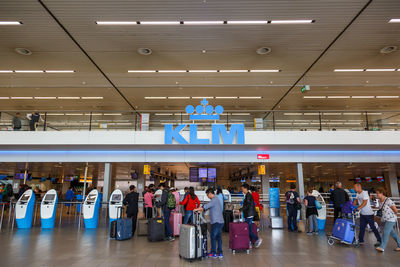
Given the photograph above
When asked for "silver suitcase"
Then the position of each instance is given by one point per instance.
(276, 222)
(190, 242)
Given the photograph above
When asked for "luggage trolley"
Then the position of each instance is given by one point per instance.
(344, 231)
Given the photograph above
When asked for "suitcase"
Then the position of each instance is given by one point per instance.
(155, 229)
(239, 236)
(276, 222)
(228, 218)
(175, 221)
(121, 229)
(113, 229)
(344, 230)
(301, 226)
(142, 227)
(191, 242)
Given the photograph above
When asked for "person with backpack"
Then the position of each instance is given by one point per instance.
(132, 202)
(292, 204)
(339, 197)
(311, 213)
(259, 207)
(34, 119)
(249, 213)
(167, 204)
(191, 202)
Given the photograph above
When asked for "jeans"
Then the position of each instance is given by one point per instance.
(134, 220)
(364, 220)
(336, 213)
(168, 230)
(188, 215)
(253, 236)
(292, 217)
(216, 231)
(388, 229)
(312, 223)
(149, 213)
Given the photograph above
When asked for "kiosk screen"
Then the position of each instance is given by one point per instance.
(116, 197)
(91, 197)
(25, 198)
(49, 197)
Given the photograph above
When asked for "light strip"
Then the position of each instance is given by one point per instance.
(142, 71)
(196, 71)
(155, 97)
(68, 97)
(247, 22)
(91, 97)
(362, 96)
(394, 21)
(292, 114)
(4, 97)
(250, 97)
(55, 114)
(338, 96)
(29, 71)
(380, 70)
(372, 113)
(116, 22)
(179, 97)
(387, 96)
(296, 21)
(233, 71)
(215, 22)
(6, 71)
(202, 97)
(171, 71)
(311, 114)
(314, 96)
(332, 114)
(59, 71)
(240, 114)
(351, 113)
(10, 23)
(93, 114)
(160, 22)
(74, 114)
(21, 97)
(347, 70)
(163, 114)
(45, 97)
(112, 114)
(226, 97)
(265, 70)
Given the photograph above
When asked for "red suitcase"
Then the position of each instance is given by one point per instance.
(175, 220)
(239, 236)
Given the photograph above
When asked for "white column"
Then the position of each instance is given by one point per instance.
(140, 183)
(394, 185)
(107, 181)
(300, 179)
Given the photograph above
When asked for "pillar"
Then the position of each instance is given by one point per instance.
(107, 182)
(141, 182)
(300, 180)
(265, 181)
(394, 185)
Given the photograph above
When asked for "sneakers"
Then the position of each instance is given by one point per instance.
(257, 244)
(309, 233)
(212, 255)
(221, 256)
(315, 233)
(170, 238)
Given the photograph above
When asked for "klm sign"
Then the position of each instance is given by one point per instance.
(219, 131)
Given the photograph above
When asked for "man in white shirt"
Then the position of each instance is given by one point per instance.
(366, 214)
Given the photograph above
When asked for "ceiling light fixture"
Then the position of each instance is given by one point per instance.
(68, 97)
(394, 21)
(211, 22)
(159, 22)
(202, 97)
(265, 70)
(387, 96)
(155, 97)
(59, 71)
(199, 71)
(142, 71)
(292, 114)
(247, 22)
(55, 114)
(348, 70)
(380, 70)
(4, 97)
(112, 114)
(362, 96)
(29, 71)
(45, 97)
(10, 23)
(338, 96)
(21, 97)
(163, 114)
(171, 71)
(74, 114)
(352, 113)
(295, 21)
(250, 97)
(226, 97)
(6, 71)
(314, 96)
(179, 97)
(233, 71)
(240, 114)
(91, 97)
(116, 22)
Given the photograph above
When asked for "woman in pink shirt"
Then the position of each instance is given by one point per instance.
(177, 199)
(148, 203)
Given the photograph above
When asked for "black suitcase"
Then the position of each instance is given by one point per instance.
(228, 218)
(156, 229)
(113, 229)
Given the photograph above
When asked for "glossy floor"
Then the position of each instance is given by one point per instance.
(65, 246)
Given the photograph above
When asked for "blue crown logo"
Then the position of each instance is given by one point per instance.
(204, 111)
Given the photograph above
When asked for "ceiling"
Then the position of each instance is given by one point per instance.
(294, 48)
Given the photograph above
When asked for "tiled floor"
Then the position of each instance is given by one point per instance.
(66, 246)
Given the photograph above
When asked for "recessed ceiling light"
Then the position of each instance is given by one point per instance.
(211, 22)
(247, 22)
(21, 97)
(311, 114)
(68, 97)
(314, 96)
(338, 96)
(348, 70)
(226, 97)
(163, 114)
(332, 114)
(141, 71)
(6, 71)
(91, 97)
(352, 113)
(10, 23)
(380, 70)
(295, 21)
(362, 96)
(171, 71)
(160, 22)
(373, 113)
(145, 51)
(112, 114)
(29, 71)
(74, 114)
(55, 114)
(23, 51)
(59, 71)
(179, 97)
(264, 70)
(240, 114)
(116, 22)
(199, 71)
(233, 71)
(45, 97)
(250, 97)
(4, 97)
(155, 97)
(387, 96)
(394, 21)
(202, 97)
(292, 114)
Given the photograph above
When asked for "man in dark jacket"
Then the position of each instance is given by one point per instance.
(132, 201)
(292, 202)
(338, 197)
(249, 211)
(166, 211)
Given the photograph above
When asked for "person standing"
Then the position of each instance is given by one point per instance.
(145, 190)
(311, 213)
(216, 221)
(249, 212)
(177, 198)
(131, 200)
(69, 197)
(34, 119)
(292, 201)
(259, 207)
(16, 122)
(167, 198)
(148, 203)
(389, 217)
(338, 197)
(366, 214)
(191, 202)
(221, 197)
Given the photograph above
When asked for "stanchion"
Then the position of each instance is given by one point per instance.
(13, 217)
(34, 217)
(2, 215)
(61, 213)
(9, 213)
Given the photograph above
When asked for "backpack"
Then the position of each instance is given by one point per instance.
(10, 191)
(171, 202)
(290, 198)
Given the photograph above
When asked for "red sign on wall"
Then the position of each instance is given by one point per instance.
(262, 156)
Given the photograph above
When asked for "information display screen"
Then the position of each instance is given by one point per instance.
(49, 197)
(116, 197)
(20, 176)
(91, 197)
(25, 198)
(194, 174)
(203, 173)
(212, 175)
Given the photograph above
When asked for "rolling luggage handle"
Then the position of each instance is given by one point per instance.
(240, 217)
(120, 213)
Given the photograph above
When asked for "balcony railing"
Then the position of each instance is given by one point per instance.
(332, 120)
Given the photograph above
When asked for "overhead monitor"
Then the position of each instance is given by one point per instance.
(194, 174)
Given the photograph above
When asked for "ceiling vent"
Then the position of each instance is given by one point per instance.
(263, 50)
(23, 51)
(145, 51)
(388, 49)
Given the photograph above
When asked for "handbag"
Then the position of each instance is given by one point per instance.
(318, 205)
(379, 213)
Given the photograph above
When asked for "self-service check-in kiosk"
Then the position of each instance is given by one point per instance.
(275, 209)
(48, 209)
(24, 209)
(91, 209)
(115, 205)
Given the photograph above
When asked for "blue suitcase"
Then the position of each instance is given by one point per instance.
(344, 230)
(123, 229)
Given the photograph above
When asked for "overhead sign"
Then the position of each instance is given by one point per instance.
(219, 131)
(146, 169)
(262, 156)
(261, 169)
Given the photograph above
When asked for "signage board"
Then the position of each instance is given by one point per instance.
(261, 169)
(262, 156)
(146, 169)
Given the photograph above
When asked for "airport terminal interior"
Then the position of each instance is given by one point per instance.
(116, 115)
